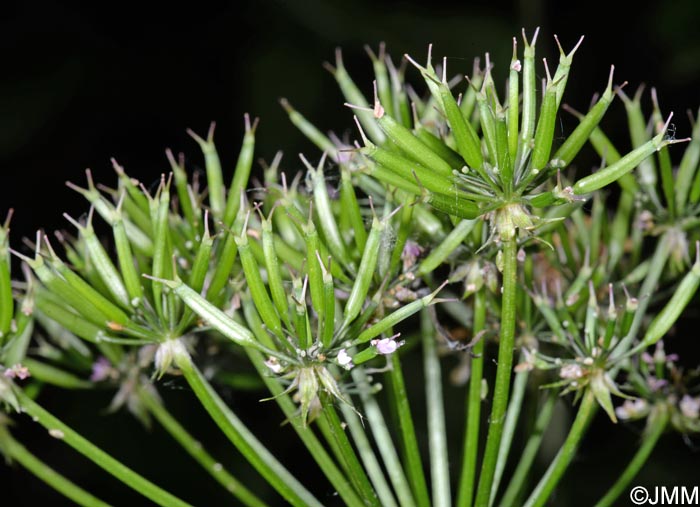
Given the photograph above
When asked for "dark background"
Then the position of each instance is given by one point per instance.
(79, 85)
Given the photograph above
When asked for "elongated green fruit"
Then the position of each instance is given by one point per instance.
(513, 102)
(638, 134)
(261, 298)
(573, 144)
(216, 318)
(487, 119)
(7, 303)
(141, 241)
(200, 265)
(182, 188)
(615, 171)
(73, 322)
(313, 268)
(431, 78)
(351, 207)
(132, 281)
(469, 99)
(544, 133)
(504, 163)
(307, 128)
(227, 255)
(44, 372)
(675, 306)
(103, 264)
(325, 214)
(527, 128)
(466, 138)
(438, 255)
(688, 167)
(328, 324)
(162, 256)
(242, 171)
(215, 179)
(562, 73)
(382, 77)
(399, 315)
(439, 146)
(451, 204)
(354, 96)
(410, 144)
(358, 294)
(410, 170)
(274, 277)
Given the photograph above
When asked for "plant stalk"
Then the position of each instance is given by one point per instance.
(414, 464)
(437, 432)
(471, 440)
(97, 455)
(556, 469)
(240, 436)
(17, 452)
(517, 480)
(514, 408)
(195, 449)
(657, 425)
(503, 373)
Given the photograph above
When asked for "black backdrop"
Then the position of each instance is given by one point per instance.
(79, 85)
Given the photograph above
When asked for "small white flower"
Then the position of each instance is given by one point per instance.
(386, 345)
(571, 371)
(690, 407)
(17, 371)
(632, 409)
(273, 364)
(344, 359)
(168, 351)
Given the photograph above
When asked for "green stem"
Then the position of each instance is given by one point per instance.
(326, 464)
(657, 425)
(503, 373)
(17, 452)
(98, 456)
(656, 268)
(357, 474)
(471, 439)
(195, 449)
(240, 436)
(514, 407)
(563, 458)
(368, 457)
(383, 439)
(529, 454)
(437, 432)
(414, 465)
